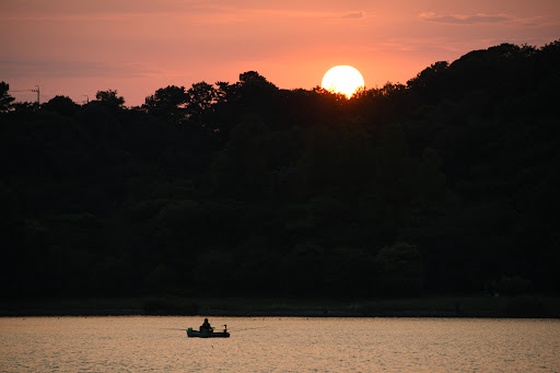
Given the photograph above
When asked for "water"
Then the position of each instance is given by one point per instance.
(159, 344)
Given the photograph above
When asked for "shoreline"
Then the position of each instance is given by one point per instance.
(527, 306)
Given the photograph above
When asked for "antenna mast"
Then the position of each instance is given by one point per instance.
(38, 90)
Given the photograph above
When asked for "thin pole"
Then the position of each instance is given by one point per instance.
(38, 90)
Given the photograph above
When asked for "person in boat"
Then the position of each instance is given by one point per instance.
(206, 326)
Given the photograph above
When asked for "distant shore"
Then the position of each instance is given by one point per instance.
(481, 306)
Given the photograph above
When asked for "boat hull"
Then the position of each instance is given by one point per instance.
(191, 333)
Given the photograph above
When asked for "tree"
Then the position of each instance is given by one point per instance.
(5, 98)
(24, 107)
(168, 103)
(224, 91)
(200, 97)
(110, 98)
(305, 268)
(255, 87)
(428, 75)
(401, 269)
(62, 105)
(240, 171)
(430, 84)
(251, 76)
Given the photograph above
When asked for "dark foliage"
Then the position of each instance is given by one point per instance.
(447, 184)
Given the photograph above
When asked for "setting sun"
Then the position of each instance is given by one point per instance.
(343, 79)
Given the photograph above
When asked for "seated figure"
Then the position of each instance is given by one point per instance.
(206, 326)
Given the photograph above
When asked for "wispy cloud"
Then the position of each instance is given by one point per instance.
(74, 69)
(466, 19)
(354, 15)
(105, 10)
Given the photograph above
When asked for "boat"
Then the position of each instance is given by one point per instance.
(192, 333)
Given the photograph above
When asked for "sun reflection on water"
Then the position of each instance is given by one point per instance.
(71, 344)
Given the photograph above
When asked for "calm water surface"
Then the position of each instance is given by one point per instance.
(159, 344)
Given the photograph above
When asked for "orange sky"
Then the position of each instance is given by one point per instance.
(75, 48)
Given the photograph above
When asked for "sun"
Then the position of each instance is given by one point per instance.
(343, 79)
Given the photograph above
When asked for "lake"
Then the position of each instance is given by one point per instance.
(279, 344)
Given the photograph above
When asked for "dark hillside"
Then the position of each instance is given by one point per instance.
(448, 184)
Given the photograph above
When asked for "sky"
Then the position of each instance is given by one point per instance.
(77, 47)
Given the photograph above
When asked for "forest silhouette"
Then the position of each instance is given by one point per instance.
(447, 184)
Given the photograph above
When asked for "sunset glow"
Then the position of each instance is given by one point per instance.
(75, 48)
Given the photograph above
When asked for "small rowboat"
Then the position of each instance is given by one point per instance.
(191, 333)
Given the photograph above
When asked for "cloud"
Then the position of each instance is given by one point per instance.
(105, 10)
(465, 19)
(354, 15)
(74, 69)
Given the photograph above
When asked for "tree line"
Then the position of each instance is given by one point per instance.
(446, 184)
